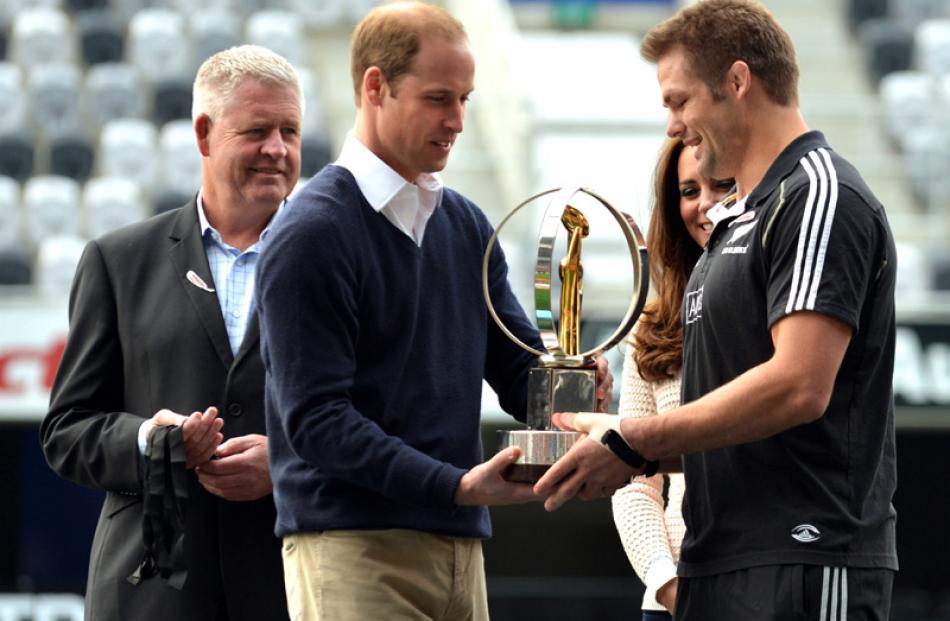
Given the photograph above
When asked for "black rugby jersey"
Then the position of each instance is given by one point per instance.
(811, 237)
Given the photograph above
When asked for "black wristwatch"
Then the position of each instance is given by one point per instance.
(619, 447)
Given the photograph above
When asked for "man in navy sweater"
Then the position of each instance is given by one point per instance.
(376, 340)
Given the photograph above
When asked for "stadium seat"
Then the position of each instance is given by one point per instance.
(281, 31)
(109, 203)
(10, 8)
(16, 154)
(157, 44)
(129, 148)
(79, 6)
(55, 91)
(42, 35)
(314, 119)
(100, 36)
(932, 46)
(50, 207)
(171, 100)
(859, 11)
(16, 267)
(112, 91)
(180, 159)
(888, 47)
(13, 105)
(926, 162)
(11, 216)
(56, 260)
(941, 282)
(166, 201)
(908, 99)
(213, 30)
(315, 154)
(3, 38)
(357, 9)
(319, 14)
(72, 155)
(913, 12)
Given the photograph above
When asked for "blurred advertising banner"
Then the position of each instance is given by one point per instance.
(922, 372)
(32, 337)
(33, 334)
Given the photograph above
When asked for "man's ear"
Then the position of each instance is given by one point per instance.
(739, 79)
(373, 84)
(202, 133)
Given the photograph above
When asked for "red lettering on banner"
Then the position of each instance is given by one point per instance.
(47, 361)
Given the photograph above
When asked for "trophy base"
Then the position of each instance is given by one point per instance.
(539, 450)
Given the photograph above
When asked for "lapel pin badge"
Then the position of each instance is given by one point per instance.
(196, 280)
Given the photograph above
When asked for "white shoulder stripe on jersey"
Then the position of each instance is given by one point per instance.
(815, 231)
(826, 229)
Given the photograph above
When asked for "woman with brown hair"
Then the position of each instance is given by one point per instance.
(651, 530)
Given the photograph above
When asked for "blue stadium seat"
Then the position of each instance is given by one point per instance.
(16, 267)
(859, 11)
(168, 200)
(11, 213)
(171, 100)
(16, 155)
(315, 154)
(71, 155)
(888, 47)
(100, 36)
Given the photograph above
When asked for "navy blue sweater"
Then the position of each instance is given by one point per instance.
(375, 350)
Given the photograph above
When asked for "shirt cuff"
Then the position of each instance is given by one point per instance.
(143, 436)
(661, 571)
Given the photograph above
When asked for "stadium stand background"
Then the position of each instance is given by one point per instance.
(94, 133)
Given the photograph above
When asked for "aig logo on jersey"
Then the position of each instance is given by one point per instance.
(806, 533)
(694, 305)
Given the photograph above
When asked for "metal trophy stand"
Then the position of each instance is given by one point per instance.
(565, 378)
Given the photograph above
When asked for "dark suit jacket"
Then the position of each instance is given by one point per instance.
(143, 338)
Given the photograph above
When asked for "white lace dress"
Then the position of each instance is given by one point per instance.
(651, 532)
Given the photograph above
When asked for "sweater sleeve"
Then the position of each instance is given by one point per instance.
(638, 508)
(308, 286)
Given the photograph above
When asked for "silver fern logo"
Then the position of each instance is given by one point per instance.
(806, 533)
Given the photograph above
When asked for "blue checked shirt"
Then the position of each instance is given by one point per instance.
(233, 273)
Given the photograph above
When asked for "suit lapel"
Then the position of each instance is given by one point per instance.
(187, 253)
(252, 339)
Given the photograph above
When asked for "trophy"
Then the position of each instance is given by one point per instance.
(565, 378)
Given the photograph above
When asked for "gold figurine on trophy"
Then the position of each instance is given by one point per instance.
(565, 378)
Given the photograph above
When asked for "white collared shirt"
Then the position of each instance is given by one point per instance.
(233, 273)
(408, 206)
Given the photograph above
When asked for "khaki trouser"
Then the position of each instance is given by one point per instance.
(360, 575)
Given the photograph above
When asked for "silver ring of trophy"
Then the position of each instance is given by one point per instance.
(565, 378)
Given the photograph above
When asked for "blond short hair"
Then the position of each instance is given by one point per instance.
(221, 74)
(390, 35)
